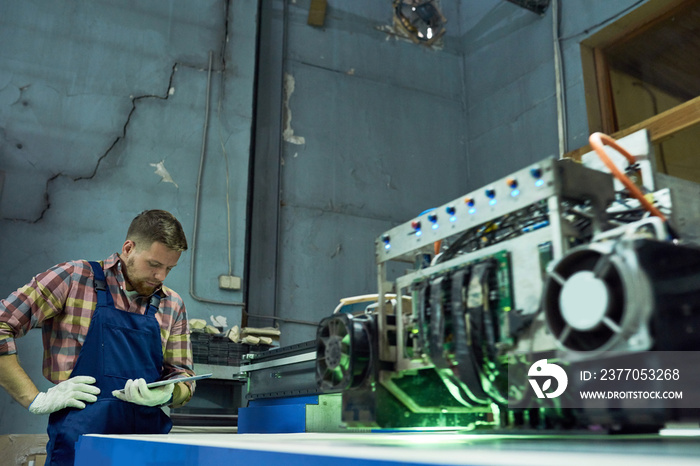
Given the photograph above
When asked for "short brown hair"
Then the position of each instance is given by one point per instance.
(152, 226)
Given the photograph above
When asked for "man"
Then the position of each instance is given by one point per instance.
(106, 327)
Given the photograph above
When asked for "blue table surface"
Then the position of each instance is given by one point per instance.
(390, 449)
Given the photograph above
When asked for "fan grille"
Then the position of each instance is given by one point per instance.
(609, 326)
(342, 352)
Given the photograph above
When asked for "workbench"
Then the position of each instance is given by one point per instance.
(390, 448)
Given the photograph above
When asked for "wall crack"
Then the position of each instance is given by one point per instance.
(134, 100)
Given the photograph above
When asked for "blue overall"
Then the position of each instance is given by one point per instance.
(119, 346)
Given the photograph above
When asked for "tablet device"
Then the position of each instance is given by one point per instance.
(160, 383)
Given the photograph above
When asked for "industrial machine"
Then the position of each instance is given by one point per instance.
(560, 265)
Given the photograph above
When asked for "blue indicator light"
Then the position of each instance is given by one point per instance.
(433, 220)
(453, 219)
(418, 232)
(387, 242)
(492, 202)
(515, 193)
(472, 211)
(539, 182)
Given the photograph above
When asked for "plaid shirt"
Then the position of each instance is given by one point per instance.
(61, 301)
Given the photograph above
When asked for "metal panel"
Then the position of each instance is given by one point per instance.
(265, 203)
(278, 419)
(282, 372)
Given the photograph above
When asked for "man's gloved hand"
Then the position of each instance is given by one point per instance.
(136, 391)
(70, 393)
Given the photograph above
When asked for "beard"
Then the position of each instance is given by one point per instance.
(140, 284)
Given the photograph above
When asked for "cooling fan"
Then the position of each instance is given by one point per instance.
(597, 298)
(343, 351)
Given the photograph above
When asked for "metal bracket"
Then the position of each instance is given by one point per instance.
(278, 362)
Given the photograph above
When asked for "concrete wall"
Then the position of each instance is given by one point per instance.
(510, 80)
(92, 96)
(375, 134)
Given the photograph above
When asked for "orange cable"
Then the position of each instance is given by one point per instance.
(597, 140)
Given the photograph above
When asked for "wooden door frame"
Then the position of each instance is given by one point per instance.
(596, 77)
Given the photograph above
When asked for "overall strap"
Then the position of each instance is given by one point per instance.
(153, 304)
(104, 297)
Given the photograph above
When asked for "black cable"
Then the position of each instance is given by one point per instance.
(604, 22)
(500, 229)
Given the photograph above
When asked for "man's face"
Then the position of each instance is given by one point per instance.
(146, 268)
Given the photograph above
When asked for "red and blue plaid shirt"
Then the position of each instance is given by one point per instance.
(62, 300)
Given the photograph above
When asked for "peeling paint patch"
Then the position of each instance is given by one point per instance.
(288, 133)
(163, 173)
(395, 33)
(391, 32)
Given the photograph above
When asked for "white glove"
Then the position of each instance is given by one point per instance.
(68, 394)
(136, 391)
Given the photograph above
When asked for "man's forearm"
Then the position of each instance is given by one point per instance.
(16, 381)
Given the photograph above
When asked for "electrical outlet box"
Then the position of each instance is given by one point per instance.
(229, 282)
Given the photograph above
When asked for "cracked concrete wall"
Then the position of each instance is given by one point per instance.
(98, 101)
